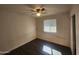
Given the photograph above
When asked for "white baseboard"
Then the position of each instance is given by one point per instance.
(4, 52)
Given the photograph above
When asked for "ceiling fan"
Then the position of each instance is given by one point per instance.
(37, 10)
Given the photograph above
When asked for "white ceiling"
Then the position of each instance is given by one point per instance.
(27, 9)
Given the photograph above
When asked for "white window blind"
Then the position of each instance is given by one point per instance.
(50, 25)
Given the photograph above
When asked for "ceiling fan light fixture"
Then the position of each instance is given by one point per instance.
(38, 14)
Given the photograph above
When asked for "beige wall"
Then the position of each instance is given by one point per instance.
(15, 29)
(75, 10)
(63, 29)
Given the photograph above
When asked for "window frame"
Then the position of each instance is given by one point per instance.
(49, 31)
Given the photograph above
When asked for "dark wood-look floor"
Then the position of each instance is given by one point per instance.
(35, 47)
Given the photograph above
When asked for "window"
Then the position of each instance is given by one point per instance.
(50, 25)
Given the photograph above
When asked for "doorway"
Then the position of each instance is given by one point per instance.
(74, 33)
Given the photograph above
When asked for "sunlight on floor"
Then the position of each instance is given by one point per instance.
(55, 52)
(47, 49)
(51, 51)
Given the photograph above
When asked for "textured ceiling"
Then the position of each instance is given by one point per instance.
(27, 9)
